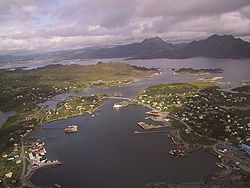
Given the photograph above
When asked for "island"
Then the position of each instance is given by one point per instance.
(191, 71)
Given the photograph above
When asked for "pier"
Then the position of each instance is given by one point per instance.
(121, 98)
(152, 132)
(48, 164)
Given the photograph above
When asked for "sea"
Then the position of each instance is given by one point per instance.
(106, 153)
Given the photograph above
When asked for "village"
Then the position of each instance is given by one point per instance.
(22, 161)
(187, 110)
(75, 106)
(209, 118)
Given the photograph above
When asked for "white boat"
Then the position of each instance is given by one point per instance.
(71, 129)
(117, 106)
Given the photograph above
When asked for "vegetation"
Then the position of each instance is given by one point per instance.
(192, 138)
(171, 96)
(21, 90)
(242, 89)
(209, 111)
(20, 87)
(74, 106)
(10, 166)
(190, 71)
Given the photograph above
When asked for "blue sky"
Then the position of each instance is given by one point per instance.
(49, 25)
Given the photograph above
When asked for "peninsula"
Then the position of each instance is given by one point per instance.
(204, 117)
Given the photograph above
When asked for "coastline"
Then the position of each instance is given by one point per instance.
(74, 115)
(130, 99)
(41, 127)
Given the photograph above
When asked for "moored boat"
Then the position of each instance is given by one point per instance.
(71, 129)
(153, 113)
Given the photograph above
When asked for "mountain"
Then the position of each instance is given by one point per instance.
(147, 46)
(216, 46)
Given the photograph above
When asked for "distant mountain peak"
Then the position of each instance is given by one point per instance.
(156, 43)
(218, 37)
(153, 40)
(218, 46)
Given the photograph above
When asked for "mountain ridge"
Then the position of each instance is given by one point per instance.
(214, 46)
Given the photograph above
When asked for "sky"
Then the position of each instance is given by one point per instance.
(51, 25)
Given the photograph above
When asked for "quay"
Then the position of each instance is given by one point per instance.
(48, 164)
(149, 126)
(152, 132)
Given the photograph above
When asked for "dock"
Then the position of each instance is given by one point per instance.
(151, 132)
(49, 164)
(149, 126)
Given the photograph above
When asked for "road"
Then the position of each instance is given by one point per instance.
(150, 107)
(188, 127)
(23, 179)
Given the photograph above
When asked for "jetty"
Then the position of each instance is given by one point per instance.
(48, 164)
(152, 132)
(149, 126)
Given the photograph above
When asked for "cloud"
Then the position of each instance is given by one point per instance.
(43, 25)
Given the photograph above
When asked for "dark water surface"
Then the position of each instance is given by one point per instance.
(5, 115)
(105, 152)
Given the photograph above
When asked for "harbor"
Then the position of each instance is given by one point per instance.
(93, 139)
(119, 125)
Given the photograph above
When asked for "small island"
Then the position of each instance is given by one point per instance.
(191, 71)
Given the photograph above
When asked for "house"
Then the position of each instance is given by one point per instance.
(31, 156)
(5, 155)
(9, 175)
(12, 156)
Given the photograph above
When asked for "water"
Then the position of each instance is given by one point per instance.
(5, 115)
(105, 152)
(234, 71)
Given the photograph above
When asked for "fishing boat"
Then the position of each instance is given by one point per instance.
(71, 129)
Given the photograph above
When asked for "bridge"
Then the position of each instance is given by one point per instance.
(119, 98)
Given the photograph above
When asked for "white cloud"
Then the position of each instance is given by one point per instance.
(55, 25)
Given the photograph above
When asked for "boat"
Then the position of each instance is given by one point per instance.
(117, 105)
(178, 153)
(71, 129)
(57, 185)
(153, 113)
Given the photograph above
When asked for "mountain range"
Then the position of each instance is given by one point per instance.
(215, 46)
